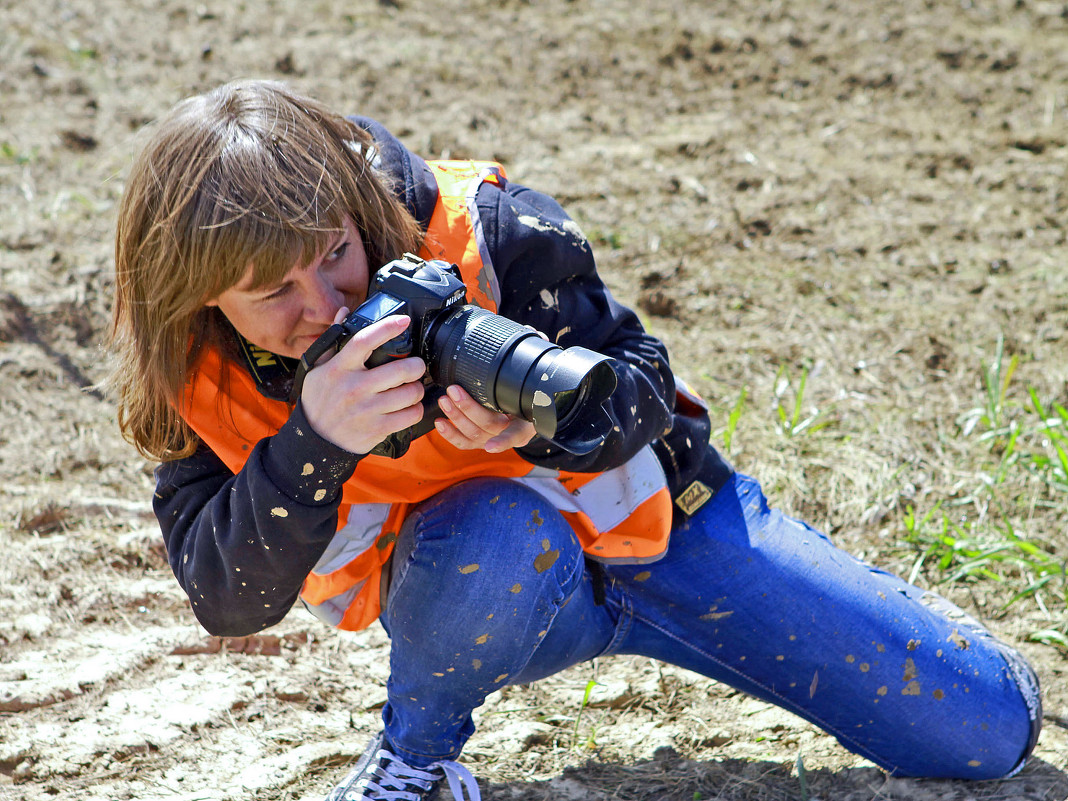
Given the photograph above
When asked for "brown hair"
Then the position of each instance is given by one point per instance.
(247, 174)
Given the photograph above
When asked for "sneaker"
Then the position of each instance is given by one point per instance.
(381, 775)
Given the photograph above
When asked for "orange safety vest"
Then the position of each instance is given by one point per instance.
(623, 514)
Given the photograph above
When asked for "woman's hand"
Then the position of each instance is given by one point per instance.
(356, 407)
(469, 426)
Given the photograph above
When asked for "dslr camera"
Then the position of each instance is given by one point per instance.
(505, 366)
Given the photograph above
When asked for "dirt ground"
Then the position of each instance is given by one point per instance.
(874, 192)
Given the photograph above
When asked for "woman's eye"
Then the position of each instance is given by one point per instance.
(280, 292)
(337, 253)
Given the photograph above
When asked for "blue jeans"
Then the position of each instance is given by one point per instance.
(489, 587)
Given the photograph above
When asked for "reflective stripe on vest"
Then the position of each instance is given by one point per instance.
(617, 514)
(622, 515)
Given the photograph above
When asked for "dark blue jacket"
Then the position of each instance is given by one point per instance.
(212, 519)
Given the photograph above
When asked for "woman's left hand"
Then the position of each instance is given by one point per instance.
(470, 426)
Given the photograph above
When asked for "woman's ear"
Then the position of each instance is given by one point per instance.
(211, 302)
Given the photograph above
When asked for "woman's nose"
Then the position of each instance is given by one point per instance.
(322, 300)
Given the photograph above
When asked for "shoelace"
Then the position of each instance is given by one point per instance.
(460, 780)
(392, 779)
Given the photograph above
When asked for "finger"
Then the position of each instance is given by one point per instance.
(454, 436)
(394, 374)
(408, 395)
(363, 438)
(330, 353)
(471, 419)
(541, 334)
(351, 409)
(516, 435)
(487, 419)
(462, 425)
(363, 343)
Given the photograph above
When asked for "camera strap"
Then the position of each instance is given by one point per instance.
(271, 372)
(329, 340)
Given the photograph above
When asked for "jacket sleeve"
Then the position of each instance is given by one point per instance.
(548, 280)
(241, 545)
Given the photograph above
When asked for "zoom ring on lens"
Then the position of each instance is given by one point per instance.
(470, 347)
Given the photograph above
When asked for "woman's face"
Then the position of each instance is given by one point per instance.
(288, 317)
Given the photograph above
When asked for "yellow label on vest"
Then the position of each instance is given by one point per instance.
(694, 497)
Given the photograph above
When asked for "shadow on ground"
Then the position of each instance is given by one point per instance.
(669, 777)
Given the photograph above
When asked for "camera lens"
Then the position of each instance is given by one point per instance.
(508, 367)
(484, 353)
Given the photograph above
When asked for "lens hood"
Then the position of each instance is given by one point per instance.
(564, 398)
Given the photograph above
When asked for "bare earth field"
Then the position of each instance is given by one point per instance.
(866, 196)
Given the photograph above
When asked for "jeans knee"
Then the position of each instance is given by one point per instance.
(1026, 681)
(1020, 680)
(988, 732)
(486, 537)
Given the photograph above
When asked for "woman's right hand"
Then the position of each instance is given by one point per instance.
(355, 407)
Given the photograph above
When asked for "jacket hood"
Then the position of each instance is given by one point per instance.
(412, 179)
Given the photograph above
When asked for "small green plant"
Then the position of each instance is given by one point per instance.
(611, 239)
(944, 545)
(791, 419)
(1024, 488)
(77, 52)
(732, 420)
(591, 740)
(956, 551)
(1052, 637)
(996, 379)
(12, 154)
(1050, 465)
(802, 779)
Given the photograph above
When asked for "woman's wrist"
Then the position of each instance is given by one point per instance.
(304, 465)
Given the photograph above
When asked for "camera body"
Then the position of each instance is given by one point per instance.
(423, 290)
(505, 366)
